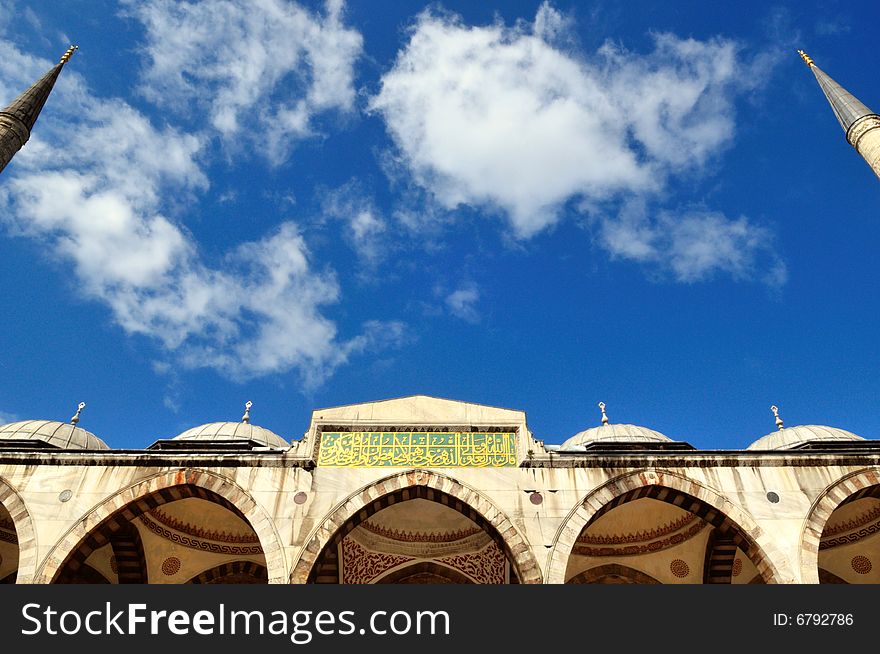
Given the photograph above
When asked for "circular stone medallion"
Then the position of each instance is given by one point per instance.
(679, 568)
(170, 566)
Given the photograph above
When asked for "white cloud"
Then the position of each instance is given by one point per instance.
(7, 8)
(95, 191)
(268, 293)
(503, 118)
(694, 245)
(462, 302)
(550, 24)
(366, 230)
(495, 116)
(832, 27)
(17, 69)
(678, 100)
(261, 69)
(499, 116)
(6, 418)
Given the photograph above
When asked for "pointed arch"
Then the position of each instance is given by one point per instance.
(24, 530)
(130, 559)
(471, 501)
(217, 574)
(161, 488)
(595, 575)
(710, 505)
(861, 483)
(720, 554)
(425, 568)
(86, 574)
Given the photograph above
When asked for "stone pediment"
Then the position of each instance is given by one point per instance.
(418, 410)
(418, 431)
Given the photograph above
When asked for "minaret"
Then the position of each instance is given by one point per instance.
(860, 123)
(17, 120)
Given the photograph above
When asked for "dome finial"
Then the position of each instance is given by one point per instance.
(246, 418)
(775, 411)
(807, 58)
(66, 56)
(79, 408)
(604, 416)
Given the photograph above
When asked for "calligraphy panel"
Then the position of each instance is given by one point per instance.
(368, 449)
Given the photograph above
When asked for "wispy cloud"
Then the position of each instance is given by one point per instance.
(174, 386)
(260, 69)
(7, 7)
(365, 230)
(93, 185)
(833, 27)
(6, 418)
(509, 120)
(496, 116)
(694, 245)
(462, 302)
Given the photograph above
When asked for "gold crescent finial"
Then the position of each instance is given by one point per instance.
(604, 416)
(246, 418)
(807, 59)
(66, 56)
(79, 409)
(775, 411)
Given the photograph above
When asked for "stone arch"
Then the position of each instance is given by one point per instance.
(88, 575)
(248, 568)
(150, 490)
(860, 483)
(713, 507)
(24, 530)
(594, 574)
(128, 549)
(425, 568)
(122, 536)
(513, 541)
(826, 577)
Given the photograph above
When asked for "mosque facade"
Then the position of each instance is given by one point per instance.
(427, 490)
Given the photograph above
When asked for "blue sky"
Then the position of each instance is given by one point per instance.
(531, 205)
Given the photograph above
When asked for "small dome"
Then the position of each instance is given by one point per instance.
(233, 431)
(62, 435)
(614, 434)
(791, 437)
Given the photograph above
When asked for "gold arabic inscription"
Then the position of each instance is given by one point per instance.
(407, 449)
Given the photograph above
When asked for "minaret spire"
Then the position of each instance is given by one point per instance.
(17, 120)
(858, 122)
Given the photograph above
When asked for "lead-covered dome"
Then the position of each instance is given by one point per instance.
(609, 433)
(62, 435)
(793, 437)
(234, 431)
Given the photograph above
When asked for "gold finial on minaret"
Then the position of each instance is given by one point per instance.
(246, 418)
(807, 58)
(604, 417)
(20, 115)
(79, 410)
(775, 411)
(859, 123)
(66, 56)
